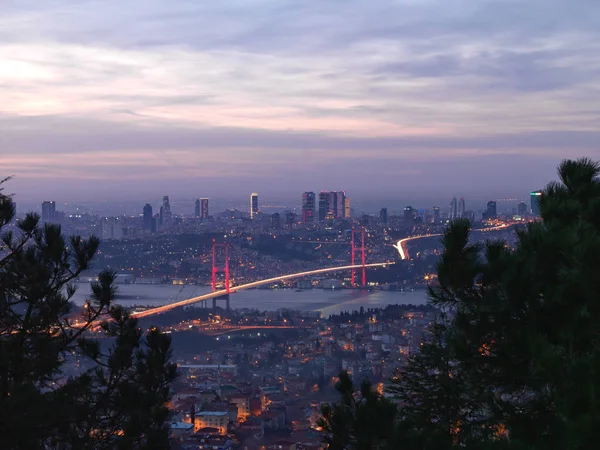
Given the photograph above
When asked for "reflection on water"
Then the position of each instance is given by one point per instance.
(326, 301)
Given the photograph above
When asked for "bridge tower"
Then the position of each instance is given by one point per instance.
(353, 251)
(223, 269)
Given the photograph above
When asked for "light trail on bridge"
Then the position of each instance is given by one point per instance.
(241, 287)
(403, 250)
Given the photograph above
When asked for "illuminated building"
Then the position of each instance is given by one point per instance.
(409, 215)
(340, 205)
(48, 211)
(197, 208)
(535, 198)
(204, 208)
(308, 207)
(346, 208)
(253, 205)
(323, 205)
(436, 214)
(148, 217)
(212, 419)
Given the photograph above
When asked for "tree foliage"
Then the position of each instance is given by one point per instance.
(116, 399)
(363, 419)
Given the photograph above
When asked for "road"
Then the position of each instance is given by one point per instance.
(241, 287)
(403, 250)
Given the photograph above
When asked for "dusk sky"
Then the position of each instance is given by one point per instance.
(410, 98)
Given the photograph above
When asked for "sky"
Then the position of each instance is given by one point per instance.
(402, 99)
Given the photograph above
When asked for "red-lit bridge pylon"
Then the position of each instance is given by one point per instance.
(353, 251)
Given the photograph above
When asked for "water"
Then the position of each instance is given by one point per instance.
(326, 301)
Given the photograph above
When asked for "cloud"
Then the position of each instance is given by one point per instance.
(326, 87)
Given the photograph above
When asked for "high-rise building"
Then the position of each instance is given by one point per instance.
(148, 217)
(275, 221)
(346, 208)
(308, 207)
(454, 209)
(204, 208)
(491, 212)
(197, 208)
(48, 211)
(522, 209)
(166, 211)
(436, 214)
(341, 201)
(333, 204)
(161, 217)
(383, 216)
(323, 205)
(253, 205)
(290, 218)
(461, 207)
(409, 215)
(535, 198)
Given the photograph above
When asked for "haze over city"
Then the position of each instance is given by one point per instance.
(394, 99)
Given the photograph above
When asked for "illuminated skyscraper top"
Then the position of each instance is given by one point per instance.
(308, 207)
(253, 205)
(535, 196)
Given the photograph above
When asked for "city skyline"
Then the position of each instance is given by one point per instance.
(475, 97)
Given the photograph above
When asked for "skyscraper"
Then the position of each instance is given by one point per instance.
(341, 201)
(148, 217)
(535, 198)
(166, 211)
(253, 205)
(453, 209)
(48, 211)
(197, 208)
(204, 208)
(383, 216)
(308, 207)
(323, 205)
(409, 215)
(275, 221)
(333, 204)
(461, 207)
(522, 209)
(436, 214)
(346, 208)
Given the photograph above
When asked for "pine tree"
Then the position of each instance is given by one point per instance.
(362, 420)
(118, 401)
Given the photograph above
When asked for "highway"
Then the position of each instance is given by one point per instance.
(241, 287)
(403, 250)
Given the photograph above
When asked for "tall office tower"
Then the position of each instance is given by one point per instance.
(204, 208)
(346, 208)
(323, 205)
(409, 214)
(461, 207)
(48, 211)
(341, 202)
(436, 214)
(522, 209)
(308, 207)
(454, 208)
(197, 208)
(275, 221)
(491, 213)
(166, 211)
(253, 205)
(383, 216)
(333, 204)
(161, 217)
(148, 217)
(535, 198)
